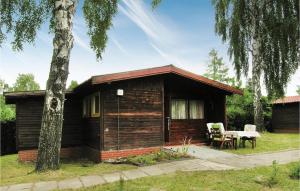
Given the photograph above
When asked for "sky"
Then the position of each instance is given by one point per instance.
(178, 32)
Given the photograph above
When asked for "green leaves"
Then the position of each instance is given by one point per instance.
(98, 16)
(275, 24)
(155, 3)
(217, 69)
(22, 19)
(73, 85)
(298, 90)
(25, 82)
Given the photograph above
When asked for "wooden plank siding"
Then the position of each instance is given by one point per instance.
(140, 114)
(29, 117)
(91, 132)
(214, 109)
(285, 118)
(143, 110)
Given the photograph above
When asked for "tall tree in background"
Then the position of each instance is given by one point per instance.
(7, 112)
(298, 90)
(73, 85)
(267, 31)
(25, 82)
(217, 70)
(23, 19)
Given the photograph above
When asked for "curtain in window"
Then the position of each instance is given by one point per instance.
(96, 104)
(196, 109)
(86, 107)
(178, 109)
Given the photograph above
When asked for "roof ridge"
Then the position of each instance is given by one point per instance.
(287, 99)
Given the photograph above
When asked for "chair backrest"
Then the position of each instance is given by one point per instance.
(249, 127)
(217, 130)
(222, 129)
(209, 126)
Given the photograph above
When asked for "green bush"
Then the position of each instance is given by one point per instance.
(239, 110)
(153, 158)
(295, 172)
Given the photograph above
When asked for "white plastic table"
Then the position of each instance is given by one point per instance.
(239, 134)
(242, 134)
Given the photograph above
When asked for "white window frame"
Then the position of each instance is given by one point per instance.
(93, 105)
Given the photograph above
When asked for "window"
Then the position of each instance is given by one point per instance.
(196, 109)
(84, 112)
(179, 109)
(86, 107)
(91, 105)
(96, 105)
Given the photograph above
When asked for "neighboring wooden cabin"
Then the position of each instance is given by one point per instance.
(126, 113)
(285, 115)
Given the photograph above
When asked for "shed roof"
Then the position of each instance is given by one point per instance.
(11, 97)
(288, 99)
(169, 69)
(108, 78)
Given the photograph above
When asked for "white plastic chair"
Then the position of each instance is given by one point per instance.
(222, 129)
(249, 127)
(252, 140)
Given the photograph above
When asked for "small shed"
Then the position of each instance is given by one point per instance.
(127, 113)
(285, 115)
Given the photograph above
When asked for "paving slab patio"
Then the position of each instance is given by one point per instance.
(113, 177)
(152, 170)
(70, 184)
(4, 188)
(205, 159)
(88, 181)
(23, 187)
(134, 174)
(45, 186)
(204, 152)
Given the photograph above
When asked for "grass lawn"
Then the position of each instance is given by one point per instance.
(270, 142)
(250, 179)
(14, 172)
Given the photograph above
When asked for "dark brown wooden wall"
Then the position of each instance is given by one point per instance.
(28, 122)
(285, 118)
(141, 114)
(189, 128)
(214, 108)
(91, 132)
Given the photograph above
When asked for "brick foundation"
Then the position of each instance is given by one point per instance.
(88, 152)
(125, 153)
(31, 155)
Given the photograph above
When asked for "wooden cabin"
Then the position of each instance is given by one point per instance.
(128, 113)
(285, 115)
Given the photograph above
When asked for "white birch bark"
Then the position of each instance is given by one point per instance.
(256, 74)
(52, 119)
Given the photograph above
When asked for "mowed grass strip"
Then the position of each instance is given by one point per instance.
(270, 142)
(14, 172)
(239, 180)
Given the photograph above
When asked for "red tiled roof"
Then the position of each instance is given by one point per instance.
(289, 99)
(158, 71)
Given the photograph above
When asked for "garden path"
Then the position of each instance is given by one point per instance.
(205, 159)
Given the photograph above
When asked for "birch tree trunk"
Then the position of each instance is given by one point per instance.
(52, 119)
(256, 74)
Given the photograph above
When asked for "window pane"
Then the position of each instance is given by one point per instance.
(88, 107)
(196, 109)
(178, 109)
(96, 104)
(84, 107)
